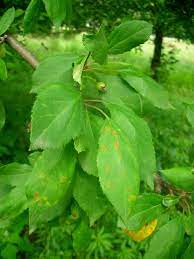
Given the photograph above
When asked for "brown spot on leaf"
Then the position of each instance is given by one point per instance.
(116, 145)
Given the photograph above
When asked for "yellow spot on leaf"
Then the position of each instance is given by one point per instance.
(144, 232)
(103, 148)
(63, 179)
(116, 145)
(36, 196)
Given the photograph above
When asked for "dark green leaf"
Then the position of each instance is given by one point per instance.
(57, 117)
(189, 225)
(82, 237)
(89, 196)
(56, 69)
(3, 70)
(92, 43)
(49, 184)
(190, 114)
(9, 252)
(189, 253)
(6, 20)
(180, 177)
(58, 10)
(2, 115)
(118, 168)
(167, 241)
(32, 15)
(129, 35)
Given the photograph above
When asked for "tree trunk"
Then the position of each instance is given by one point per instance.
(156, 59)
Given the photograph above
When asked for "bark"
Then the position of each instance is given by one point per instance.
(156, 59)
(20, 49)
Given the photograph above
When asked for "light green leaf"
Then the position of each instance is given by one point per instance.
(57, 117)
(50, 184)
(56, 69)
(92, 43)
(147, 208)
(87, 143)
(180, 177)
(2, 115)
(87, 192)
(143, 139)
(167, 241)
(190, 114)
(82, 236)
(118, 168)
(6, 20)
(58, 10)
(32, 14)
(148, 88)
(129, 35)
(3, 70)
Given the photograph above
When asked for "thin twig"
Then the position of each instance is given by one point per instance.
(22, 51)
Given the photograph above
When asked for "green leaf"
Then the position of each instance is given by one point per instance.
(143, 139)
(148, 88)
(14, 174)
(87, 143)
(118, 168)
(57, 117)
(50, 184)
(9, 252)
(92, 43)
(82, 236)
(190, 114)
(87, 192)
(58, 10)
(6, 20)
(32, 15)
(129, 35)
(147, 208)
(180, 177)
(2, 115)
(167, 241)
(3, 70)
(189, 253)
(56, 69)
(78, 70)
(13, 199)
(189, 225)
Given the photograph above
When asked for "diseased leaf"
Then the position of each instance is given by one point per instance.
(32, 14)
(57, 116)
(87, 192)
(118, 168)
(58, 10)
(148, 88)
(55, 69)
(180, 177)
(147, 208)
(167, 241)
(3, 70)
(50, 184)
(190, 114)
(6, 20)
(143, 139)
(128, 35)
(2, 115)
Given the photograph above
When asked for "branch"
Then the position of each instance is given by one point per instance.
(20, 49)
